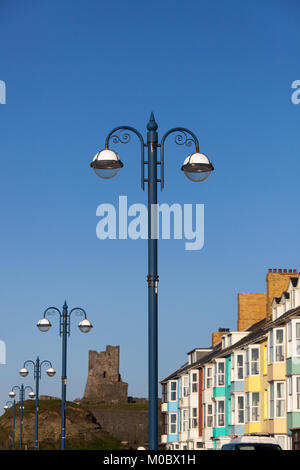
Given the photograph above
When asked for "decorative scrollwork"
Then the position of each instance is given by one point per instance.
(184, 139)
(121, 137)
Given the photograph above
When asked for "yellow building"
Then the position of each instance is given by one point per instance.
(256, 386)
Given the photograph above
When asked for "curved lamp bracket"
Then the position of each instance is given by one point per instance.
(184, 137)
(119, 136)
(79, 312)
(51, 311)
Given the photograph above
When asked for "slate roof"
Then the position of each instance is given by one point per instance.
(257, 333)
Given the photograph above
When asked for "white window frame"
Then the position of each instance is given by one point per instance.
(240, 409)
(170, 423)
(185, 386)
(220, 414)
(238, 367)
(184, 421)
(250, 408)
(293, 390)
(275, 401)
(172, 391)
(194, 418)
(250, 362)
(194, 383)
(220, 375)
(209, 377)
(209, 416)
(278, 345)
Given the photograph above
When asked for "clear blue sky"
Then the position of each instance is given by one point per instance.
(76, 69)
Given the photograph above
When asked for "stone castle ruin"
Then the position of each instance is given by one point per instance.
(104, 383)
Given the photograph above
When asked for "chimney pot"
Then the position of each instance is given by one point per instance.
(274, 270)
(295, 270)
(290, 270)
(279, 270)
(270, 270)
(284, 270)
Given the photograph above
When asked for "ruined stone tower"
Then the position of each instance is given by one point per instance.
(104, 383)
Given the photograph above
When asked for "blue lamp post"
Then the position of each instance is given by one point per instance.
(37, 377)
(85, 326)
(12, 404)
(197, 167)
(22, 390)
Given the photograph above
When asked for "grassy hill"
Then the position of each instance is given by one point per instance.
(83, 431)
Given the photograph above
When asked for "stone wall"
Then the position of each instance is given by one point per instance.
(127, 425)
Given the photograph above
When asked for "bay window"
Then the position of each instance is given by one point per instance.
(220, 413)
(194, 382)
(184, 420)
(279, 344)
(209, 377)
(220, 374)
(194, 418)
(252, 406)
(240, 366)
(173, 390)
(172, 423)
(240, 409)
(252, 361)
(185, 386)
(209, 416)
(277, 400)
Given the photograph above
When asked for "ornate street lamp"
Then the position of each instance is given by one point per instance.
(22, 390)
(84, 326)
(197, 167)
(37, 365)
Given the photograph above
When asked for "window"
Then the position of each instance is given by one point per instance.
(173, 390)
(252, 361)
(240, 409)
(277, 400)
(185, 386)
(298, 393)
(252, 406)
(221, 373)
(271, 350)
(194, 418)
(209, 377)
(221, 413)
(240, 366)
(209, 417)
(293, 298)
(194, 382)
(279, 345)
(297, 339)
(184, 420)
(172, 423)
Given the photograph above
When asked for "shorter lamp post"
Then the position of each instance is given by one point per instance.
(37, 377)
(12, 404)
(22, 391)
(65, 319)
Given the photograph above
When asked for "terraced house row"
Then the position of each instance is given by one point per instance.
(248, 381)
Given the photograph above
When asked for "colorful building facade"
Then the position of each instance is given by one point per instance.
(248, 381)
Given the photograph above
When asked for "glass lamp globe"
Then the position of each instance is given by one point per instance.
(51, 372)
(31, 394)
(44, 325)
(106, 164)
(12, 394)
(85, 326)
(23, 372)
(5, 407)
(197, 167)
